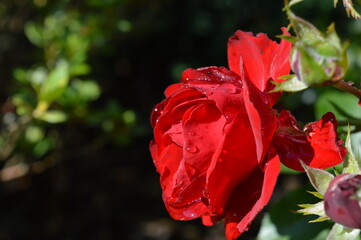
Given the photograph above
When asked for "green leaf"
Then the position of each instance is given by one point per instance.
(86, 90)
(320, 179)
(350, 165)
(34, 33)
(53, 116)
(79, 69)
(56, 83)
(328, 101)
(338, 232)
(292, 84)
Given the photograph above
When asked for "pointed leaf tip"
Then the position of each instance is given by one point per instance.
(320, 179)
(350, 165)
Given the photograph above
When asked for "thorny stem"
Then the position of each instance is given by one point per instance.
(342, 85)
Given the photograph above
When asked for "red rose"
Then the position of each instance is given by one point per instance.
(214, 136)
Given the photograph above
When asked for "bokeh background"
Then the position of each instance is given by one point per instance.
(78, 81)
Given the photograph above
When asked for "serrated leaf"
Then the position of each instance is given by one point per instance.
(320, 179)
(339, 232)
(313, 209)
(316, 194)
(292, 84)
(350, 165)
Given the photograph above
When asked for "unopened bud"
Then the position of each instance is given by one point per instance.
(343, 200)
(316, 58)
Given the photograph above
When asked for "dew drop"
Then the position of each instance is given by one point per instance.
(192, 149)
(189, 213)
(207, 92)
(156, 109)
(191, 134)
(229, 118)
(220, 160)
(229, 87)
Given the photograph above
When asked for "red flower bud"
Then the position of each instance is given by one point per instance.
(342, 200)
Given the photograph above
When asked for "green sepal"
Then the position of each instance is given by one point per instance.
(292, 84)
(314, 209)
(316, 194)
(350, 165)
(339, 232)
(320, 179)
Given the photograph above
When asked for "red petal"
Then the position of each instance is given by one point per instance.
(233, 163)
(250, 197)
(202, 132)
(247, 135)
(210, 75)
(172, 89)
(318, 145)
(259, 59)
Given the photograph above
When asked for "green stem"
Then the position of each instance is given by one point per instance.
(342, 85)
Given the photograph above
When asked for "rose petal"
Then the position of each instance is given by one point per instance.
(258, 58)
(317, 145)
(250, 197)
(202, 133)
(233, 162)
(262, 119)
(172, 89)
(209, 75)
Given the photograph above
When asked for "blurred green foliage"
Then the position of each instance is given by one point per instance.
(56, 89)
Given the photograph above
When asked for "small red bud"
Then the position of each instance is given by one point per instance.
(342, 203)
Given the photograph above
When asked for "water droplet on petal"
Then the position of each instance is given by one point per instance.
(229, 87)
(207, 92)
(220, 160)
(192, 149)
(189, 213)
(191, 134)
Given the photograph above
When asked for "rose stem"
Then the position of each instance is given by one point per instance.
(342, 85)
